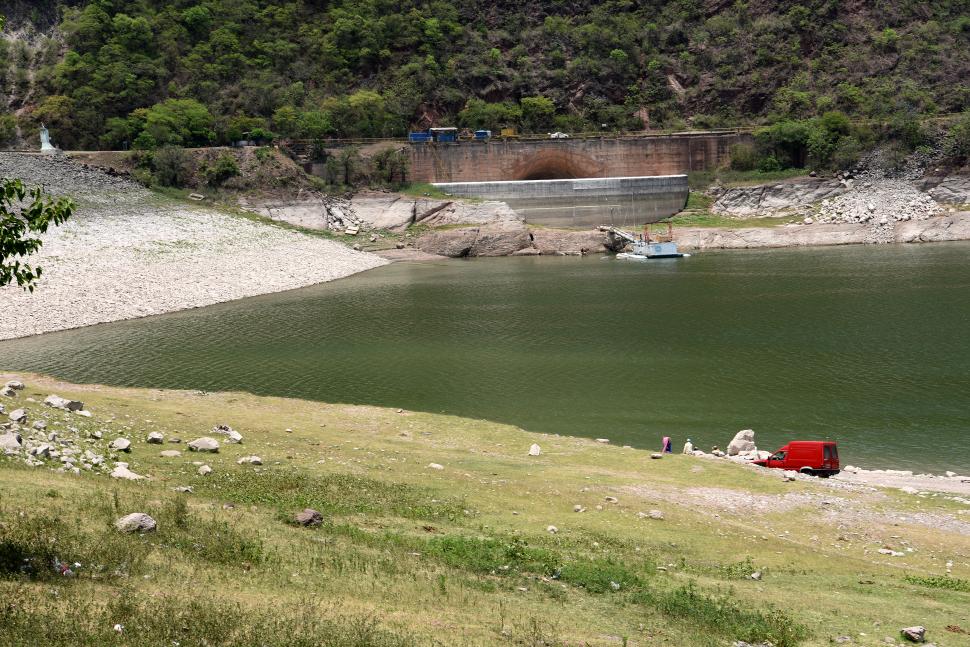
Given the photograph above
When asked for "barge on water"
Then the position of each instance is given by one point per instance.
(645, 249)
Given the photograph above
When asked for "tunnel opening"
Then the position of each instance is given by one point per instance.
(554, 166)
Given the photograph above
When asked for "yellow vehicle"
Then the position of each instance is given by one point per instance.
(509, 133)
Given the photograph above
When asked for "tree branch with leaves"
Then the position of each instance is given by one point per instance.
(25, 214)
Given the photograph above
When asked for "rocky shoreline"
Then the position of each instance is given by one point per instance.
(127, 253)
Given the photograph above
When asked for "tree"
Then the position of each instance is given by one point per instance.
(25, 214)
(537, 113)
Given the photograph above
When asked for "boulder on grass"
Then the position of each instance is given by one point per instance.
(120, 445)
(204, 444)
(19, 416)
(232, 436)
(135, 522)
(308, 517)
(155, 438)
(58, 402)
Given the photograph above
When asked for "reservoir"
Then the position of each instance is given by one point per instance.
(869, 346)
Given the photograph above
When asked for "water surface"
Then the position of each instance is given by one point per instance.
(865, 345)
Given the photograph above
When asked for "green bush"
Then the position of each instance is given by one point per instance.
(224, 168)
(958, 139)
(8, 129)
(172, 166)
(744, 157)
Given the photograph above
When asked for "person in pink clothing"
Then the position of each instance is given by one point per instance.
(668, 445)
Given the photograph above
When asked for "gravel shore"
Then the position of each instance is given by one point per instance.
(128, 253)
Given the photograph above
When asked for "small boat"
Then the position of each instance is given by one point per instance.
(645, 249)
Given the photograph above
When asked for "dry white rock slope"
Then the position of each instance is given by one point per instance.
(128, 253)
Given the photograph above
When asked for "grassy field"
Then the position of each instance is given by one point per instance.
(463, 555)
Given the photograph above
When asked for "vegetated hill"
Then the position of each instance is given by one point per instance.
(314, 68)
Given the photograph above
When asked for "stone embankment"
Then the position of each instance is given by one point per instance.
(127, 253)
(455, 228)
(865, 209)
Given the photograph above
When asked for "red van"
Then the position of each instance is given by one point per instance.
(817, 457)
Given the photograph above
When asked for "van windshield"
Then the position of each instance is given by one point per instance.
(779, 456)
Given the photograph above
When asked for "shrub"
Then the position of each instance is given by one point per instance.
(8, 129)
(744, 157)
(222, 169)
(172, 166)
(958, 139)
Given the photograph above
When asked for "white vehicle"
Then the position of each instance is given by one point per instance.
(558, 135)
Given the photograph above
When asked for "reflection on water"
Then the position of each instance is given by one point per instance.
(864, 345)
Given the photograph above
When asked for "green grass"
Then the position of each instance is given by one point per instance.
(424, 190)
(709, 219)
(940, 582)
(701, 180)
(408, 555)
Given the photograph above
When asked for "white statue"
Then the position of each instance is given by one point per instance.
(45, 140)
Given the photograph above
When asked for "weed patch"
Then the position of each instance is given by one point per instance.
(940, 582)
(30, 619)
(331, 494)
(722, 615)
(38, 547)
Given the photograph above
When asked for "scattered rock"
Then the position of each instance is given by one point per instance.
(789, 475)
(653, 514)
(84, 413)
(842, 639)
(435, 466)
(135, 522)
(204, 444)
(611, 499)
(603, 440)
(183, 488)
(552, 530)
(250, 460)
(535, 450)
(39, 425)
(309, 517)
(10, 441)
(232, 436)
(155, 438)
(916, 634)
(756, 576)
(19, 416)
(578, 508)
(120, 445)
(204, 470)
(15, 385)
(170, 453)
(743, 441)
(58, 402)
(7, 392)
(121, 471)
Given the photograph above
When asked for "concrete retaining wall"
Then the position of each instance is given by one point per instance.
(584, 202)
(504, 160)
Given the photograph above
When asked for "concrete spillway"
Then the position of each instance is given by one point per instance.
(584, 202)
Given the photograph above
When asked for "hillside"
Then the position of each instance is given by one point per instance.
(436, 530)
(93, 70)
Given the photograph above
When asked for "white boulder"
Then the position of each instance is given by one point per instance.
(535, 450)
(121, 471)
(58, 402)
(135, 522)
(155, 438)
(120, 445)
(18, 415)
(204, 444)
(743, 442)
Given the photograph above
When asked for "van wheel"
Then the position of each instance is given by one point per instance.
(808, 470)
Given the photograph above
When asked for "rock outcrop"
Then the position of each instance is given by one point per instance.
(952, 189)
(766, 198)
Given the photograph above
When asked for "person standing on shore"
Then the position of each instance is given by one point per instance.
(668, 445)
(688, 447)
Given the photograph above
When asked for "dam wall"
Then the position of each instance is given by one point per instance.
(583, 202)
(546, 159)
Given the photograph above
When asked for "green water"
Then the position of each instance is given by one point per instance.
(865, 345)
